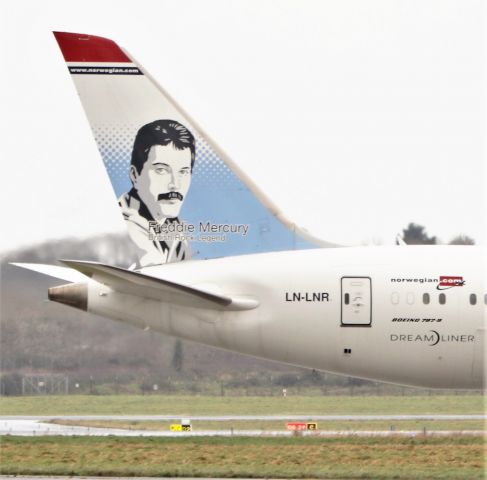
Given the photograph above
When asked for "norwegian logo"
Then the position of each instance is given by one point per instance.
(444, 282)
(447, 282)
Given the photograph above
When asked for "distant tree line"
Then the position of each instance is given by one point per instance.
(415, 234)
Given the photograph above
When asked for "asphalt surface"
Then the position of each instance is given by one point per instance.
(37, 426)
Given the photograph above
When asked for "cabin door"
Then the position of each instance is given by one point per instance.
(356, 302)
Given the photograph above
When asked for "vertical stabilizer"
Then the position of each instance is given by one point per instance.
(180, 196)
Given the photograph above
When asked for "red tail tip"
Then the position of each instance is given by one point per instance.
(79, 47)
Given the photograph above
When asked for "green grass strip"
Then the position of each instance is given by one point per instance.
(453, 457)
(205, 405)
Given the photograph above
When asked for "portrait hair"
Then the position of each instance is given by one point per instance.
(161, 132)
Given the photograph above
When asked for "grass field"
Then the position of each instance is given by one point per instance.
(453, 457)
(202, 405)
(351, 458)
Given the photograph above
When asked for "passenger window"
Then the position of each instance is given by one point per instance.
(442, 298)
(395, 298)
(473, 299)
(426, 298)
(347, 298)
(410, 298)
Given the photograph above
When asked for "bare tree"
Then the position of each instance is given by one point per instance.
(178, 356)
(462, 240)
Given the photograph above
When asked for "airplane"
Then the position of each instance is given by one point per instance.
(219, 264)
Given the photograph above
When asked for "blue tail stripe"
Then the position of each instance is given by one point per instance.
(217, 196)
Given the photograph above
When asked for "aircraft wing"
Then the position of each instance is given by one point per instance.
(55, 271)
(141, 285)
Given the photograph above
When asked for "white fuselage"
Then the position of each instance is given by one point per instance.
(413, 315)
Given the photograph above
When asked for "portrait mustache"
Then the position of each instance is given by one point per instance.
(170, 196)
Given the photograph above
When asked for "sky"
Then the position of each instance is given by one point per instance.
(355, 117)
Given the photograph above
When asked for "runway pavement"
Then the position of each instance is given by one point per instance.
(37, 426)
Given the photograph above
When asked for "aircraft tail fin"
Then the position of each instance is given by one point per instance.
(180, 195)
